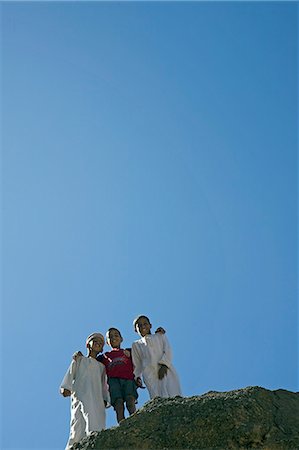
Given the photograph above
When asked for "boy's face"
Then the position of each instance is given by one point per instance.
(114, 338)
(96, 345)
(143, 327)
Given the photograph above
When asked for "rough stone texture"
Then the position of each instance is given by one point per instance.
(250, 418)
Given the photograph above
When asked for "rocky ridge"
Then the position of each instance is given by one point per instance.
(249, 418)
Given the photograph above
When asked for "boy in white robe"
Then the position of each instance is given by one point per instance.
(152, 359)
(86, 383)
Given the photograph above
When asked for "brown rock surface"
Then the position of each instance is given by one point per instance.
(250, 418)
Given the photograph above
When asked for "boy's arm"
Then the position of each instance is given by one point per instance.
(77, 355)
(160, 330)
(162, 372)
(65, 392)
(101, 358)
(127, 352)
(66, 386)
(136, 361)
(167, 354)
(105, 389)
(165, 361)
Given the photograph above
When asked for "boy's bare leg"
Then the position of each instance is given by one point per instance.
(130, 403)
(119, 409)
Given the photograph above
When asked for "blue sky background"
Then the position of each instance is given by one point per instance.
(149, 165)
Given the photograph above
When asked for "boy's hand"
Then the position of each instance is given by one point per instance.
(127, 353)
(65, 392)
(77, 355)
(138, 382)
(162, 371)
(160, 330)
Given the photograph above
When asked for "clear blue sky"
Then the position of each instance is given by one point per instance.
(149, 165)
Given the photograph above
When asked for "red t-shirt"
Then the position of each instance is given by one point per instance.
(118, 364)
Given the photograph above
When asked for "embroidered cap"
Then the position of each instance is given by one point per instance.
(92, 336)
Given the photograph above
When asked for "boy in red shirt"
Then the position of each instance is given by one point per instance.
(120, 373)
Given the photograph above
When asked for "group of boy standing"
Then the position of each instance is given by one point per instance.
(87, 377)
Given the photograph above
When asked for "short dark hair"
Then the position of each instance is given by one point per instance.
(140, 317)
(111, 329)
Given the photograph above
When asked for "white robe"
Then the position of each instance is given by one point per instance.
(87, 381)
(147, 353)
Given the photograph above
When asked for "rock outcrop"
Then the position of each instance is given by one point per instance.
(250, 418)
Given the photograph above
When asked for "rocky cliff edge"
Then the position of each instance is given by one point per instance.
(249, 418)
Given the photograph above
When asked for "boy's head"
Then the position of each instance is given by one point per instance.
(95, 343)
(114, 338)
(142, 325)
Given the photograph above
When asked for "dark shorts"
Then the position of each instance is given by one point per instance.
(121, 388)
